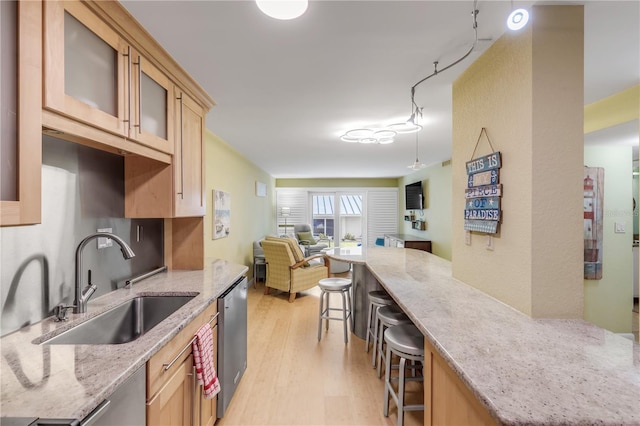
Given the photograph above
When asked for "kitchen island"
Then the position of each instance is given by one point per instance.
(520, 370)
(70, 381)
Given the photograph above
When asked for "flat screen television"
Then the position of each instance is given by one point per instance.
(413, 196)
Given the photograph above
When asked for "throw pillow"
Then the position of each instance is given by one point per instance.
(306, 236)
(293, 246)
(295, 249)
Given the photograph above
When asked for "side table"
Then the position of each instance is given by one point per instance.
(259, 269)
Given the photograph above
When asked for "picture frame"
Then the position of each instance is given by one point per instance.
(221, 214)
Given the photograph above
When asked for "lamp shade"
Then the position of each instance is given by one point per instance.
(285, 211)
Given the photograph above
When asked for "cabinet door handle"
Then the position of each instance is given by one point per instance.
(128, 55)
(194, 403)
(181, 193)
(139, 64)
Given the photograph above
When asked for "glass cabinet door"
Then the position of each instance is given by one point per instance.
(20, 112)
(153, 106)
(85, 67)
(90, 67)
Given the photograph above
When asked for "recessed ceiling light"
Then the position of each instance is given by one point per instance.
(517, 19)
(283, 9)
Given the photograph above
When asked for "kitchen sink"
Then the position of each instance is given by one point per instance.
(124, 323)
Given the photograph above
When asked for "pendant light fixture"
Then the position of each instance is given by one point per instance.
(417, 165)
(283, 9)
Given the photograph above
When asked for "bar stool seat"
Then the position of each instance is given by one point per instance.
(334, 285)
(377, 299)
(407, 342)
(388, 316)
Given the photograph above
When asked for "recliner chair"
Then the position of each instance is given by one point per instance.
(304, 235)
(287, 268)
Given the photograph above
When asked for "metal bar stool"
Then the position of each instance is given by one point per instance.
(388, 316)
(407, 342)
(377, 299)
(334, 285)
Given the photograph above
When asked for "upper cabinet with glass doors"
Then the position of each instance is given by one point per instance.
(20, 111)
(94, 76)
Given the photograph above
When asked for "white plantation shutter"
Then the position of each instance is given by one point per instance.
(382, 213)
(297, 200)
(380, 216)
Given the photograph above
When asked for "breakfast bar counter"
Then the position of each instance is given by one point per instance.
(521, 370)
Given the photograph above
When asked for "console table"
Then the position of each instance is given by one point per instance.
(407, 241)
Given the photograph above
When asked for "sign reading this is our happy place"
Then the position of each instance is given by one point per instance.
(482, 211)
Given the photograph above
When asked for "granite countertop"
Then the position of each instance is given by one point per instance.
(70, 381)
(523, 370)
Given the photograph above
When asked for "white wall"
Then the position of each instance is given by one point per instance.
(607, 302)
(436, 184)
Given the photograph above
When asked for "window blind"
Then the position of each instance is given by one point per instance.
(382, 214)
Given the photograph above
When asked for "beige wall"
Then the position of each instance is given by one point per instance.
(607, 302)
(527, 91)
(436, 183)
(252, 217)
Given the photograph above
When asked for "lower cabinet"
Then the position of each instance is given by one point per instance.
(447, 399)
(173, 405)
(174, 397)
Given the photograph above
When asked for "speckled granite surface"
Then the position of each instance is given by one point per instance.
(69, 381)
(525, 371)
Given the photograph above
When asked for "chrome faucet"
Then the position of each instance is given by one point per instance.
(83, 295)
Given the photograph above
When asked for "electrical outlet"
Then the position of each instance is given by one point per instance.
(620, 227)
(104, 242)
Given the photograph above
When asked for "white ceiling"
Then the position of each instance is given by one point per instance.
(286, 90)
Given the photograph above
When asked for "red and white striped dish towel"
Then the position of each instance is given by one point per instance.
(203, 360)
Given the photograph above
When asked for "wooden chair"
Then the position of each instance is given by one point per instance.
(287, 268)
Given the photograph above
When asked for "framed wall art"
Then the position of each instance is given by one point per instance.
(221, 214)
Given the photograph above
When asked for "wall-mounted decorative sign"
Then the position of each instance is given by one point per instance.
(221, 214)
(482, 212)
(593, 228)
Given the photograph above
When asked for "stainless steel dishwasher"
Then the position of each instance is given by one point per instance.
(232, 341)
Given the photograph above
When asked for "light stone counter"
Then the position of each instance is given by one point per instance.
(69, 381)
(524, 371)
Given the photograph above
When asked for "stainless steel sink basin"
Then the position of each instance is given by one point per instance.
(124, 323)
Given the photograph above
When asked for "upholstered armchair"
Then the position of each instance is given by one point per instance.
(305, 237)
(288, 269)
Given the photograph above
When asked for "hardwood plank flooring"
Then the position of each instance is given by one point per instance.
(292, 379)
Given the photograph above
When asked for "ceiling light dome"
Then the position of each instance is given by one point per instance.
(283, 9)
(517, 19)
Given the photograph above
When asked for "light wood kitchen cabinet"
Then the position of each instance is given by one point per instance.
(448, 401)
(93, 75)
(173, 395)
(151, 121)
(20, 106)
(153, 189)
(173, 404)
(188, 164)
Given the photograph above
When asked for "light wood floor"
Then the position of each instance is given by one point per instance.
(292, 379)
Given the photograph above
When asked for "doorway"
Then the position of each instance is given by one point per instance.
(337, 217)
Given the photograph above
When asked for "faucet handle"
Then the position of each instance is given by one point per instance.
(60, 311)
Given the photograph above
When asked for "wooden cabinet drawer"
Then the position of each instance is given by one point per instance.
(156, 374)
